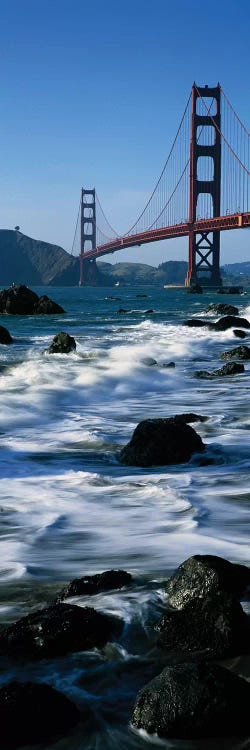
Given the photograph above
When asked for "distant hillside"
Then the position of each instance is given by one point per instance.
(37, 263)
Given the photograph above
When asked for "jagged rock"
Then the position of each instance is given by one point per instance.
(5, 337)
(240, 334)
(190, 417)
(168, 364)
(228, 322)
(231, 368)
(149, 361)
(201, 575)
(46, 306)
(34, 712)
(195, 323)
(222, 309)
(195, 289)
(239, 352)
(19, 300)
(57, 630)
(215, 624)
(189, 701)
(89, 585)
(161, 442)
(62, 343)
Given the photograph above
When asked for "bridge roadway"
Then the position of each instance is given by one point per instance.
(217, 223)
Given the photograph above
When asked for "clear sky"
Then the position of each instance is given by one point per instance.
(92, 94)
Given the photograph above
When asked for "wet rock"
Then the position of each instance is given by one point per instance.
(62, 343)
(204, 374)
(149, 361)
(222, 309)
(201, 575)
(231, 368)
(19, 300)
(230, 290)
(161, 442)
(229, 321)
(46, 306)
(34, 712)
(216, 625)
(195, 323)
(89, 585)
(240, 334)
(168, 364)
(195, 289)
(57, 630)
(123, 311)
(147, 312)
(189, 701)
(190, 417)
(239, 352)
(5, 337)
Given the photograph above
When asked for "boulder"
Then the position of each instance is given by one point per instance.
(168, 364)
(122, 310)
(89, 585)
(189, 701)
(195, 323)
(229, 321)
(231, 368)
(222, 309)
(62, 343)
(19, 300)
(5, 337)
(161, 442)
(201, 575)
(34, 712)
(216, 625)
(149, 361)
(240, 334)
(230, 290)
(195, 289)
(239, 352)
(46, 306)
(190, 417)
(57, 630)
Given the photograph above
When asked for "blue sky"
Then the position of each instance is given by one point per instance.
(92, 95)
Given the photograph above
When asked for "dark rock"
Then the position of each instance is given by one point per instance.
(46, 306)
(216, 625)
(222, 309)
(201, 575)
(190, 417)
(204, 374)
(5, 337)
(147, 312)
(231, 368)
(195, 289)
(240, 334)
(89, 585)
(228, 322)
(149, 361)
(195, 323)
(168, 364)
(62, 343)
(34, 712)
(141, 295)
(239, 352)
(122, 310)
(189, 701)
(57, 630)
(19, 300)
(161, 442)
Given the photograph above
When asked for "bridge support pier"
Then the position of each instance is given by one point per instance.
(88, 227)
(204, 247)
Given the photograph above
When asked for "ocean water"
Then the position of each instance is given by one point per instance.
(68, 508)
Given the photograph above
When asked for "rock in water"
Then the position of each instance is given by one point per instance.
(161, 442)
(216, 625)
(195, 323)
(229, 321)
(62, 343)
(194, 700)
(19, 300)
(34, 712)
(89, 585)
(239, 352)
(5, 337)
(201, 575)
(222, 309)
(231, 368)
(56, 631)
(240, 334)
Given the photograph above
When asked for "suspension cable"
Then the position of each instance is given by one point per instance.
(76, 228)
(235, 113)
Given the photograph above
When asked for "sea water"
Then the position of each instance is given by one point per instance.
(69, 508)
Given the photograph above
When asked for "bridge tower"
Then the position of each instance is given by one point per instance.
(204, 247)
(88, 226)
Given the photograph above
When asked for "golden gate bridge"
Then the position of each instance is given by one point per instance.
(203, 189)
